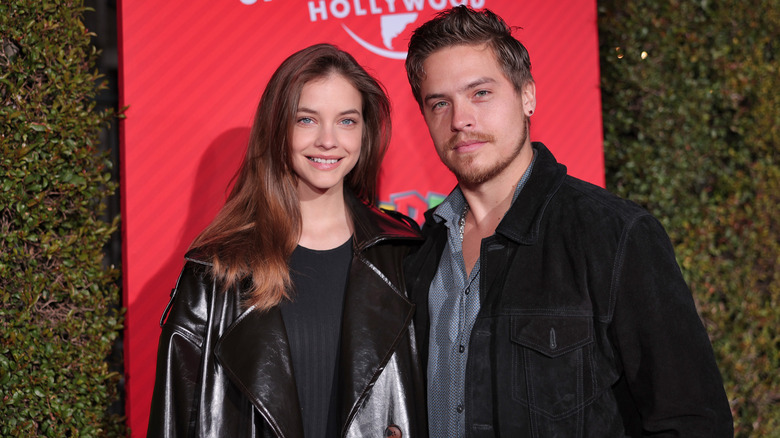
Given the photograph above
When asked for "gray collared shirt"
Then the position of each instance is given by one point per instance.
(453, 302)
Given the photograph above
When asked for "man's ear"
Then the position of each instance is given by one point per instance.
(528, 95)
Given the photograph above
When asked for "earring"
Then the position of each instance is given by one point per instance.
(530, 112)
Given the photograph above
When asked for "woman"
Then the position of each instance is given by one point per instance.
(289, 317)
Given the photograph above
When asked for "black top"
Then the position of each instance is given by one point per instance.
(313, 323)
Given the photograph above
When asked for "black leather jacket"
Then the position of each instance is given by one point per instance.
(225, 371)
(586, 326)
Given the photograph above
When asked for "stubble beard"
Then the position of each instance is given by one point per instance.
(464, 169)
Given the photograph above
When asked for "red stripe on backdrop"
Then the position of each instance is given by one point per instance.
(192, 72)
(574, 104)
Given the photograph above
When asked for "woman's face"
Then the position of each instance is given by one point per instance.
(326, 135)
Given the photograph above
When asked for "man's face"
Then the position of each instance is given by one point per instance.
(476, 118)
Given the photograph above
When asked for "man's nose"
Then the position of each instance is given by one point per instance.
(462, 117)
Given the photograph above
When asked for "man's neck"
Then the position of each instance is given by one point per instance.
(489, 201)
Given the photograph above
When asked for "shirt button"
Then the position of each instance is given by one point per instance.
(461, 348)
(467, 291)
(459, 409)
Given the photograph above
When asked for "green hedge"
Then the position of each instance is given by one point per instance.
(58, 302)
(691, 107)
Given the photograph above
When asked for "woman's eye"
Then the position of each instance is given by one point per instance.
(349, 122)
(305, 120)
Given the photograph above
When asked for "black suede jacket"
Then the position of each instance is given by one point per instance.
(226, 371)
(586, 327)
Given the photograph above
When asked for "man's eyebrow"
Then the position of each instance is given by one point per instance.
(433, 96)
(470, 86)
(478, 83)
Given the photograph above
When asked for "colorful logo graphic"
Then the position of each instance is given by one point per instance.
(413, 204)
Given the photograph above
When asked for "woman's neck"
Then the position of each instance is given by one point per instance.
(326, 221)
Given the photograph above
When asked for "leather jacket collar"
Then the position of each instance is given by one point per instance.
(372, 226)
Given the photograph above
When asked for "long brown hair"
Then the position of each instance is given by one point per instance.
(256, 231)
(463, 26)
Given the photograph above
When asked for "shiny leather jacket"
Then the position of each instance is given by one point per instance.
(225, 371)
(586, 326)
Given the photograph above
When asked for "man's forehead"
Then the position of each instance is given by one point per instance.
(482, 48)
(451, 64)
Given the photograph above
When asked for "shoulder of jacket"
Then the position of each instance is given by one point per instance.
(590, 198)
(404, 219)
(373, 226)
(198, 256)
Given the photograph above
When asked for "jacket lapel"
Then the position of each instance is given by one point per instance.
(521, 221)
(420, 269)
(255, 353)
(376, 310)
(375, 320)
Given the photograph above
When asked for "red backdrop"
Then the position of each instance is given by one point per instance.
(192, 72)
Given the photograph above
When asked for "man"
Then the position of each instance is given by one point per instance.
(546, 306)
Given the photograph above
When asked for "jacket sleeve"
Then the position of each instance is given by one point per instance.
(668, 361)
(179, 358)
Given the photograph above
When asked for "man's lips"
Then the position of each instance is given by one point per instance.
(474, 141)
(467, 146)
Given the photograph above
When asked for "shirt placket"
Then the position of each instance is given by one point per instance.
(465, 319)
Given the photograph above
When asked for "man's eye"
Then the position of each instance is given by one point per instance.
(481, 93)
(439, 105)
